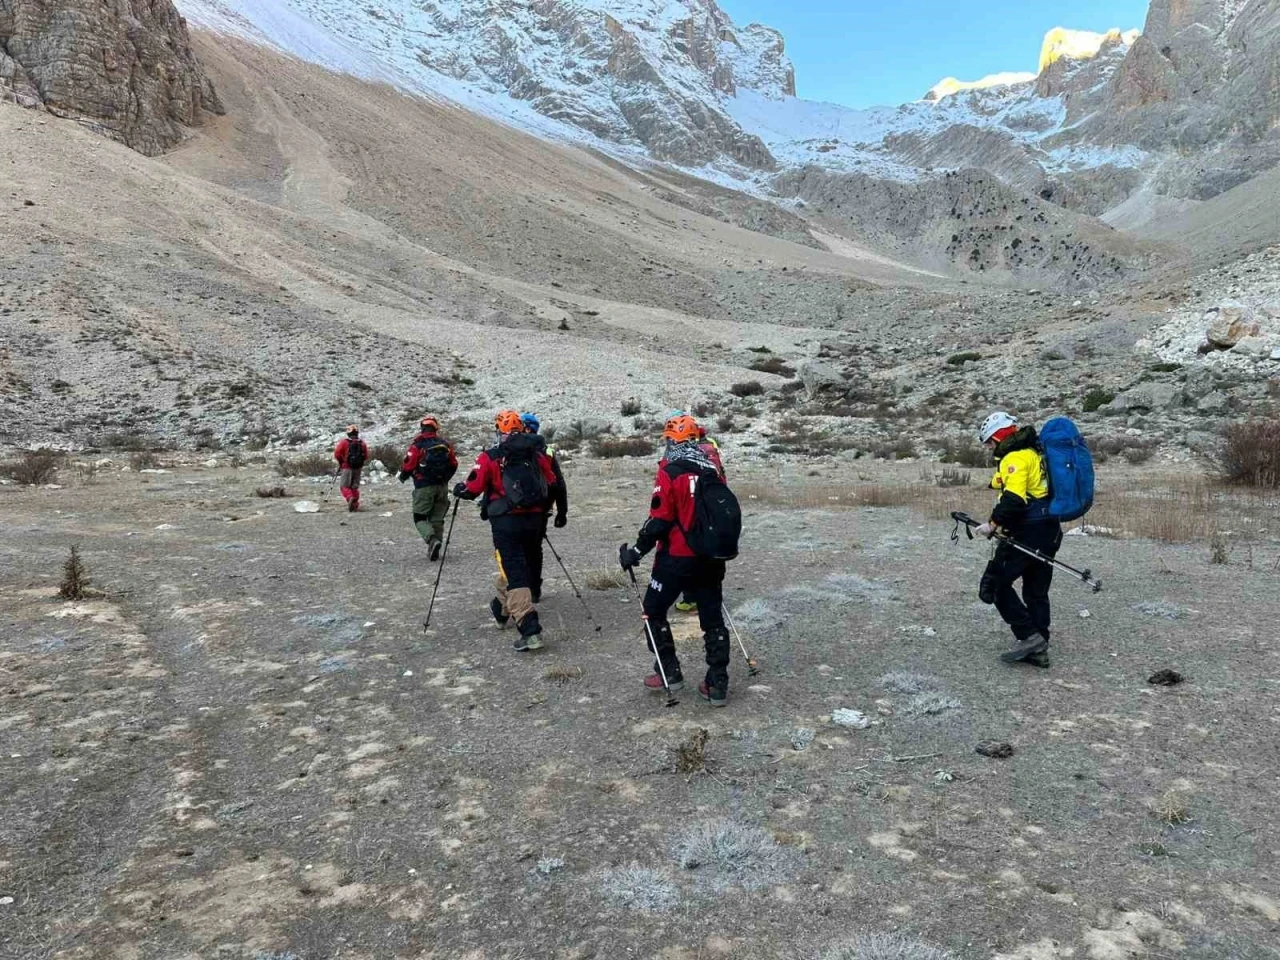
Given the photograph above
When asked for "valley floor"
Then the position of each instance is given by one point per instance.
(246, 747)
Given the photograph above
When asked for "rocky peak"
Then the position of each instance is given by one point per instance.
(124, 67)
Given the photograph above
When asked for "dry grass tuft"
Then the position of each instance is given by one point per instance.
(735, 853)
(271, 493)
(310, 465)
(1250, 455)
(691, 756)
(885, 946)
(559, 673)
(34, 467)
(75, 578)
(634, 887)
(606, 579)
(1171, 809)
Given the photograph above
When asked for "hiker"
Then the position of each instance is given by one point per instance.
(685, 473)
(431, 462)
(557, 496)
(515, 481)
(686, 603)
(1022, 512)
(351, 454)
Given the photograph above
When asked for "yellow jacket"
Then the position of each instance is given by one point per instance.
(1022, 474)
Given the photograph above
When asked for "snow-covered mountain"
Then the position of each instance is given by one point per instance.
(1106, 116)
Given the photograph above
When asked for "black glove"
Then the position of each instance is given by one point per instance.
(404, 476)
(561, 520)
(460, 491)
(629, 557)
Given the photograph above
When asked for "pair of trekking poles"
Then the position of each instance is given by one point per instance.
(752, 666)
(1084, 576)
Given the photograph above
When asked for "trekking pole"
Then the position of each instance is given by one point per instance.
(576, 592)
(443, 556)
(653, 643)
(752, 666)
(1084, 576)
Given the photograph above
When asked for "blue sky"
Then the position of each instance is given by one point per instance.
(869, 52)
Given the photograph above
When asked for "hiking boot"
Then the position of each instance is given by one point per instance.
(529, 629)
(535, 593)
(434, 549)
(716, 696)
(353, 506)
(495, 608)
(653, 682)
(1040, 660)
(686, 606)
(525, 644)
(1033, 646)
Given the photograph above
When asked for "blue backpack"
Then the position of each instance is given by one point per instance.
(1070, 468)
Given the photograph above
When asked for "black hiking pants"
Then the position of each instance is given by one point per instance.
(1029, 613)
(702, 580)
(517, 540)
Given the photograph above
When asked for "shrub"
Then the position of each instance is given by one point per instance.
(959, 359)
(609, 578)
(951, 477)
(1095, 398)
(794, 435)
(34, 467)
(774, 365)
(749, 388)
(1137, 455)
(607, 448)
(631, 407)
(725, 424)
(144, 460)
(637, 888)
(740, 854)
(271, 493)
(390, 455)
(966, 453)
(885, 946)
(899, 449)
(1250, 457)
(1165, 367)
(310, 465)
(75, 579)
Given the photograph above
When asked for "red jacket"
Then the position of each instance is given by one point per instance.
(670, 511)
(485, 478)
(413, 459)
(340, 451)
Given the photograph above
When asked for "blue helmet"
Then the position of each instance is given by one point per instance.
(530, 422)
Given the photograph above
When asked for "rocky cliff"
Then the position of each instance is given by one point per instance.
(124, 67)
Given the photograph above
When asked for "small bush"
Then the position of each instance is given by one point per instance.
(749, 388)
(631, 407)
(310, 465)
(951, 477)
(1165, 367)
(1137, 455)
(966, 453)
(900, 449)
(725, 424)
(390, 455)
(774, 365)
(1250, 457)
(75, 579)
(271, 493)
(1096, 398)
(1171, 810)
(34, 467)
(637, 888)
(691, 755)
(903, 681)
(358, 385)
(144, 460)
(608, 448)
(885, 946)
(559, 673)
(738, 854)
(959, 359)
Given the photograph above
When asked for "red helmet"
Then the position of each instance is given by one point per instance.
(681, 429)
(429, 423)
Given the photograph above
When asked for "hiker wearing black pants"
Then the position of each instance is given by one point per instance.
(679, 567)
(1022, 512)
(514, 478)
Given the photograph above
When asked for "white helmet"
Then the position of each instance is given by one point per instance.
(995, 423)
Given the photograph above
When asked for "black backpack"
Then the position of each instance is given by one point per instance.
(523, 482)
(356, 454)
(717, 519)
(434, 467)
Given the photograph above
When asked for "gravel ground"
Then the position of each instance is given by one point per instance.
(247, 747)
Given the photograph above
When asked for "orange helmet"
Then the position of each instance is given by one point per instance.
(508, 421)
(429, 422)
(681, 429)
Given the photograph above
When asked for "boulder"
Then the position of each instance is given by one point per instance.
(1256, 346)
(818, 376)
(1146, 396)
(1212, 402)
(1229, 323)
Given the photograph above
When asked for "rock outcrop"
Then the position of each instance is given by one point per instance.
(124, 67)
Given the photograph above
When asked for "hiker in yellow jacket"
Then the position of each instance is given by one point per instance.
(1022, 512)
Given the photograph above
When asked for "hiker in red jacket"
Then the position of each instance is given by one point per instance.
(351, 454)
(431, 462)
(515, 480)
(678, 567)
